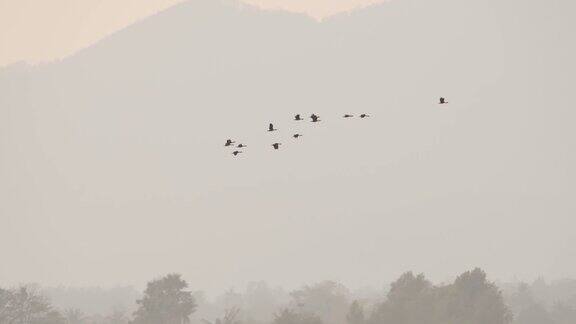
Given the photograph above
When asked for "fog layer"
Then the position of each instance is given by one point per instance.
(113, 167)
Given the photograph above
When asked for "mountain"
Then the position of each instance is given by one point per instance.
(115, 155)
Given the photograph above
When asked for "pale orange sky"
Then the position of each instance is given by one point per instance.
(41, 30)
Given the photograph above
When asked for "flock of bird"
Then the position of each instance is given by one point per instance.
(276, 146)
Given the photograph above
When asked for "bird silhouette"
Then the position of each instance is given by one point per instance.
(315, 118)
(348, 116)
(229, 142)
(271, 128)
(364, 116)
(241, 145)
(297, 117)
(276, 145)
(297, 135)
(236, 153)
(443, 101)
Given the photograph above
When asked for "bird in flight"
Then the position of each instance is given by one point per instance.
(443, 101)
(297, 117)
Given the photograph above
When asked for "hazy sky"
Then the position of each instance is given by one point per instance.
(113, 169)
(34, 30)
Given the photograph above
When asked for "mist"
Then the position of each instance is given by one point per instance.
(114, 170)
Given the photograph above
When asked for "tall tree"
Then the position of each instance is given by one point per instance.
(4, 305)
(231, 316)
(328, 300)
(472, 299)
(25, 305)
(409, 301)
(356, 314)
(521, 298)
(291, 316)
(534, 314)
(165, 301)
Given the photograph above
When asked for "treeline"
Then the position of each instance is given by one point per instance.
(27, 305)
(541, 302)
(470, 299)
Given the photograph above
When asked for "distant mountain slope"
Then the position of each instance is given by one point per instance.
(127, 137)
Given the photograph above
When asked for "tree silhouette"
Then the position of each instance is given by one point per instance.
(534, 314)
(26, 305)
(327, 299)
(409, 301)
(230, 317)
(165, 301)
(471, 299)
(356, 314)
(521, 298)
(290, 316)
